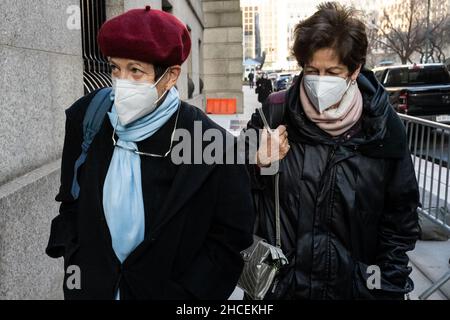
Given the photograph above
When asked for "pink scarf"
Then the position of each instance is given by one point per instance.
(338, 121)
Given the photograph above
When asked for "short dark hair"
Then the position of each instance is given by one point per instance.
(159, 71)
(332, 26)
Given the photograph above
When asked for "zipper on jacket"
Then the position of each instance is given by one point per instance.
(329, 219)
(321, 185)
(333, 152)
(327, 167)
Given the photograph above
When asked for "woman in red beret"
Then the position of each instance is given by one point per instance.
(134, 224)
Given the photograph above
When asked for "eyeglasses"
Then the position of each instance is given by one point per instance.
(145, 153)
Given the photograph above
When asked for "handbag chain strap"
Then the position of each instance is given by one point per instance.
(277, 210)
(277, 188)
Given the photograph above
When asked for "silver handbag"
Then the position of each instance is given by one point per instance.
(262, 260)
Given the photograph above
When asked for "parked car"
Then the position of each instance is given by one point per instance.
(421, 90)
(385, 63)
(283, 82)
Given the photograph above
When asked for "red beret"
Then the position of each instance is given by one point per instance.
(146, 35)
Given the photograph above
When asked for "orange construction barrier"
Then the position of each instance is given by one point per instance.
(221, 106)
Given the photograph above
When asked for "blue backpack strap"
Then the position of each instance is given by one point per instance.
(92, 123)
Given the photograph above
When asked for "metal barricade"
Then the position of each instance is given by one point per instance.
(429, 143)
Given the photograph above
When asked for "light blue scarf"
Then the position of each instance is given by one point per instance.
(122, 191)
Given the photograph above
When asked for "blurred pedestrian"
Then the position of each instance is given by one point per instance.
(263, 88)
(251, 77)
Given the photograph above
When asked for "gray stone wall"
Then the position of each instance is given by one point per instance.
(114, 8)
(41, 75)
(27, 206)
(223, 51)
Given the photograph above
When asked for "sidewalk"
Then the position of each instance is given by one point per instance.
(430, 261)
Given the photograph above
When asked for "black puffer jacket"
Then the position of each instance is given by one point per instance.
(346, 203)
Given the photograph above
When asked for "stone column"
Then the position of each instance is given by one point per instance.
(223, 51)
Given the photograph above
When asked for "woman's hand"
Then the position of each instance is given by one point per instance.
(275, 139)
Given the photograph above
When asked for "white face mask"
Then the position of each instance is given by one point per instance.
(134, 100)
(325, 91)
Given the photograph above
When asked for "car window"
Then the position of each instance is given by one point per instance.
(417, 76)
(379, 74)
(437, 75)
(397, 77)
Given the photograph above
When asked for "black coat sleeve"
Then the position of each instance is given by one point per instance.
(63, 226)
(220, 260)
(398, 232)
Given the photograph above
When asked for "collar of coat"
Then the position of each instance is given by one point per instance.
(382, 132)
(189, 178)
